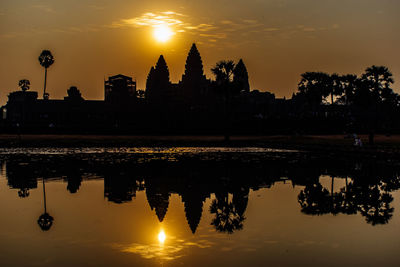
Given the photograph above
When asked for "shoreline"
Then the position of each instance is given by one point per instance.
(334, 145)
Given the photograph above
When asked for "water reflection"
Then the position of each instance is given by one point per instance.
(225, 178)
(370, 198)
(161, 237)
(45, 221)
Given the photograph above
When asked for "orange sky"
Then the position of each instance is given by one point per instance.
(277, 39)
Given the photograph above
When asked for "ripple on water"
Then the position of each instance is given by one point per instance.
(140, 150)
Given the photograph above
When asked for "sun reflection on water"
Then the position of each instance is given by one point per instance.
(162, 237)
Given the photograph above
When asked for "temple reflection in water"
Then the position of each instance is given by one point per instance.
(226, 179)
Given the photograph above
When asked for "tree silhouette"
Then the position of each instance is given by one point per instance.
(227, 218)
(23, 192)
(223, 71)
(314, 200)
(374, 204)
(24, 85)
(74, 182)
(74, 93)
(315, 86)
(45, 221)
(46, 59)
(347, 200)
(373, 94)
(336, 86)
(350, 83)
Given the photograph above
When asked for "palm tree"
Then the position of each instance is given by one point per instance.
(376, 85)
(228, 218)
(379, 78)
(24, 84)
(314, 200)
(336, 86)
(46, 59)
(45, 221)
(223, 72)
(315, 86)
(349, 83)
(374, 204)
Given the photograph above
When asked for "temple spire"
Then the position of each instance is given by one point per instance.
(241, 77)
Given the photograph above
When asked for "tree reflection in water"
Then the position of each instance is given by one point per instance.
(45, 221)
(371, 200)
(226, 220)
(195, 177)
(228, 214)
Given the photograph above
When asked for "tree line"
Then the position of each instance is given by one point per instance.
(368, 99)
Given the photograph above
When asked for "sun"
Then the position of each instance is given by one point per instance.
(162, 33)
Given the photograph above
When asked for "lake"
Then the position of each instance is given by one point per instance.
(196, 207)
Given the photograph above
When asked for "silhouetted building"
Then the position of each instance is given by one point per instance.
(74, 95)
(241, 78)
(119, 89)
(119, 188)
(158, 90)
(194, 83)
(194, 105)
(193, 202)
(158, 200)
(22, 177)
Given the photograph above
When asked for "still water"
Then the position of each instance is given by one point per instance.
(196, 207)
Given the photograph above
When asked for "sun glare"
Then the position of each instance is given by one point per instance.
(161, 237)
(162, 33)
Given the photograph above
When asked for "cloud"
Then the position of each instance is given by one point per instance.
(309, 29)
(96, 7)
(271, 29)
(154, 20)
(208, 32)
(222, 32)
(216, 35)
(44, 8)
(8, 35)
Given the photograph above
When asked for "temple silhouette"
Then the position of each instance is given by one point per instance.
(323, 104)
(162, 107)
(227, 181)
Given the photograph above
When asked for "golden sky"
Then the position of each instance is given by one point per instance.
(277, 39)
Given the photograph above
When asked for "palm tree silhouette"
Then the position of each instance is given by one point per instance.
(24, 84)
(45, 221)
(223, 72)
(336, 83)
(349, 82)
(227, 218)
(374, 204)
(315, 86)
(23, 192)
(46, 59)
(376, 85)
(314, 200)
